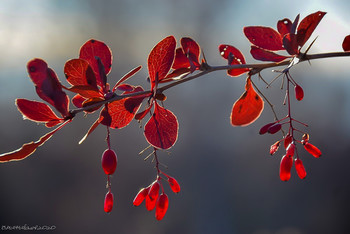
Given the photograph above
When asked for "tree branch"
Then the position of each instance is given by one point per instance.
(255, 68)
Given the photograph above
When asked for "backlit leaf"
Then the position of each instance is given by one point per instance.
(181, 60)
(265, 55)
(127, 76)
(142, 114)
(161, 59)
(37, 111)
(161, 130)
(248, 107)
(284, 26)
(307, 26)
(235, 57)
(86, 91)
(191, 49)
(92, 50)
(264, 37)
(91, 129)
(47, 85)
(120, 113)
(290, 43)
(78, 100)
(28, 148)
(79, 72)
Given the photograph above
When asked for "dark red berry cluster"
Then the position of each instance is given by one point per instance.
(289, 140)
(109, 165)
(153, 198)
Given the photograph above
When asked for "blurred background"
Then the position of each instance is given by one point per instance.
(229, 182)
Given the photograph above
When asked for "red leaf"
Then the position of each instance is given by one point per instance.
(28, 148)
(86, 91)
(265, 55)
(191, 49)
(120, 113)
(91, 129)
(264, 37)
(284, 26)
(126, 76)
(142, 114)
(37, 111)
(161, 130)
(181, 61)
(47, 85)
(307, 26)
(79, 72)
(235, 57)
(290, 43)
(92, 50)
(248, 107)
(78, 100)
(160, 60)
(125, 87)
(346, 43)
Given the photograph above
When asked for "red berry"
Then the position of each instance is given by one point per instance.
(162, 206)
(313, 150)
(264, 129)
(299, 93)
(290, 149)
(274, 128)
(285, 167)
(299, 167)
(109, 161)
(108, 204)
(274, 147)
(140, 196)
(287, 140)
(174, 185)
(154, 190)
(150, 203)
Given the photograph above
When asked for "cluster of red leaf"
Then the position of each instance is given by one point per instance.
(289, 36)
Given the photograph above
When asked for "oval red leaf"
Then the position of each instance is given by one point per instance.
(161, 130)
(28, 148)
(307, 26)
(47, 85)
(191, 49)
(127, 76)
(92, 50)
(120, 113)
(79, 72)
(248, 107)
(161, 59)
(37, 111)
(234, 57)
(181, 61)
(264, 37)
(284, 26)
(265, 55)
(290, 43)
